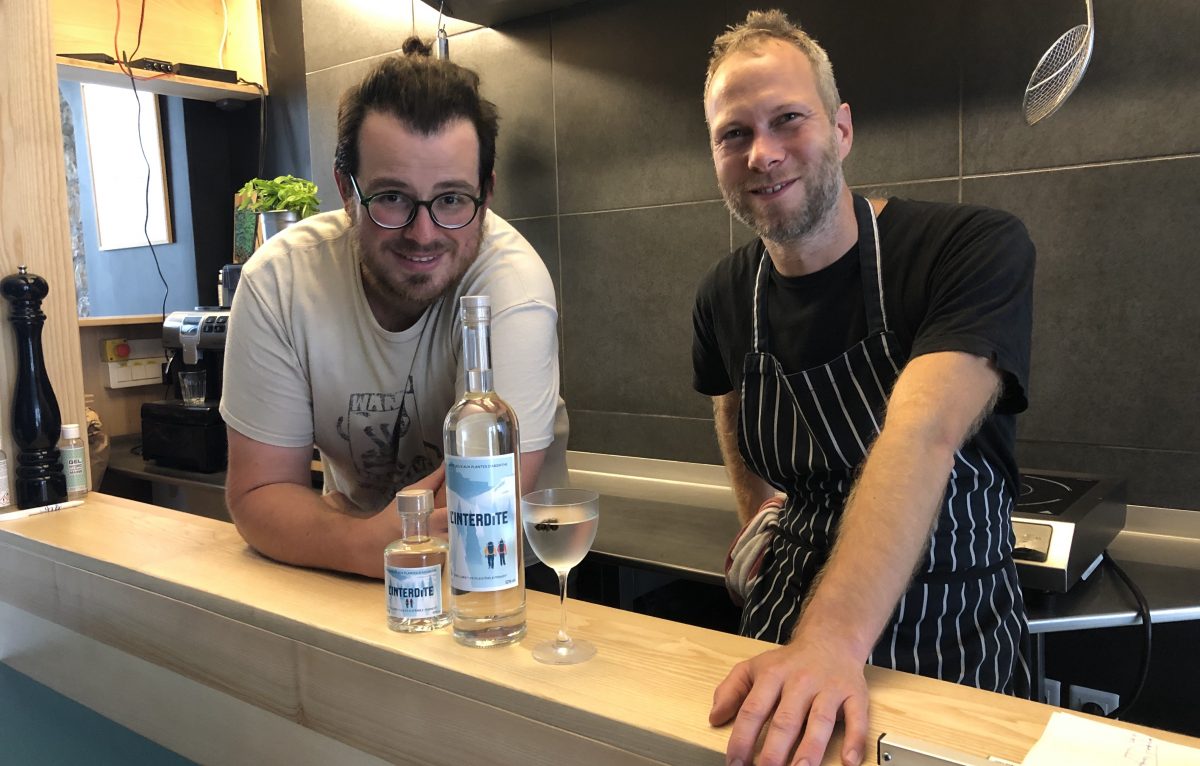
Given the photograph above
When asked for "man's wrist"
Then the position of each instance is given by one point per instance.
(839, 626)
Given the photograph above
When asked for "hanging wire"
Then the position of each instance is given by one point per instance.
(123, 59)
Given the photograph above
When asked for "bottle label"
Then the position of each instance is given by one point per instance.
(72, 463)
(414, 593)
(5, 499)
(481, 493)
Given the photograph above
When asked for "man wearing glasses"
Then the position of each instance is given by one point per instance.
(345, 332)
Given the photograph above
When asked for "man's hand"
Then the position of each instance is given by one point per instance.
(800, 688)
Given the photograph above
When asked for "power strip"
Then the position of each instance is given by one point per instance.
(135, 372)
(154, 65)
(101, 58)
(205, 72)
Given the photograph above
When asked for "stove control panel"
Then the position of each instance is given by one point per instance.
(1032, 540)
(1062, 524)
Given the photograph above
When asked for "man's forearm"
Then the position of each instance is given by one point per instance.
(883, 532)
(749, 490)
(937, 403)
(292, 523)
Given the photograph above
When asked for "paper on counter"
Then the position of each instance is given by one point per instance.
(1071, 739)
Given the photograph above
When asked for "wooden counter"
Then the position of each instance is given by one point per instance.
(186, 595)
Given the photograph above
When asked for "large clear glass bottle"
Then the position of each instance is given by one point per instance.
(415, 568)
(483, 480)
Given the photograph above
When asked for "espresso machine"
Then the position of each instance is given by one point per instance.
(175, 434)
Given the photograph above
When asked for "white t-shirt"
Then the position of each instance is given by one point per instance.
(307, 363)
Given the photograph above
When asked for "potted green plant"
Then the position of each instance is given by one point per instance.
(266, 206)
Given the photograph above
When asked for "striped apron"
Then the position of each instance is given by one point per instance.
(806, 433)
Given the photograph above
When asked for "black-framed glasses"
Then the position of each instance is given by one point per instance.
(395, 210)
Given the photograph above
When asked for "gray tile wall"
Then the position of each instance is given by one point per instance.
(603, 163)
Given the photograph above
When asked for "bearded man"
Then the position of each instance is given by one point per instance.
(344, 332)
(866, 359)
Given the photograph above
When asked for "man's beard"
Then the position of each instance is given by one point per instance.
(821, 189)
(420, 288)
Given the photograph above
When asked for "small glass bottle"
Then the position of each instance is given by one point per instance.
(73, 459)
(415, 568)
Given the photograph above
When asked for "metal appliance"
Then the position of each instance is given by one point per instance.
(1063, 522)
(179, 435)
(227, 282)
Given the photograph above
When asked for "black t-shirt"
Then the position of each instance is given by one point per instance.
(955, 278)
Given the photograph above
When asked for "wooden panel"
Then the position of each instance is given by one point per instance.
(244, 50)
(396, 718)
(246, 662)
(127, 319)
(179, 31)
(178, 713)
(187, 594)
(33, 202)
(403, 721)
(171, 85)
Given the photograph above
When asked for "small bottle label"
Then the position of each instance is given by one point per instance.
(414, 593)
(5, 499)
(482, 499)
(72, 461)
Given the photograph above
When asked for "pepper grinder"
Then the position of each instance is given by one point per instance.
(36, 420)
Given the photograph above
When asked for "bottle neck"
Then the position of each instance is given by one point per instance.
(477, 356)
(414, 525)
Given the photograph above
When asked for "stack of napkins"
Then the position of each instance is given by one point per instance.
(1071, 739)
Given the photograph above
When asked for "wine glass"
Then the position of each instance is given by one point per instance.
(561, 524)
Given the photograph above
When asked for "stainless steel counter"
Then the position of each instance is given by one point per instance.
(1159, 548)
(692, 542)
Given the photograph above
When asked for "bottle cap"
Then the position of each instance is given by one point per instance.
(414, 501)
(475, 307)
(70, 431)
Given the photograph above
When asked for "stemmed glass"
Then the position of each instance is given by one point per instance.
(561, 524)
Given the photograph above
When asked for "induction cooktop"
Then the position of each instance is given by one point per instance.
(1063, 522)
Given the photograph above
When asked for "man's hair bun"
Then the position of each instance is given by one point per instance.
(415, 46)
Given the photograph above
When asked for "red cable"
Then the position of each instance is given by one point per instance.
(123, 62)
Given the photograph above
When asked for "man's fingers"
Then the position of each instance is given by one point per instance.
(855, 713)
(786, 724)
(439, 521)
(756, 709)
(822, 717)
(433, 481)
(728, 696)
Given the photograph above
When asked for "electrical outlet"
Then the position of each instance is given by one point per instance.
(1082, 695)
(1052, 692)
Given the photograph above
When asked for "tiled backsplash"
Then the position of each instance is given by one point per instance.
(603, 163)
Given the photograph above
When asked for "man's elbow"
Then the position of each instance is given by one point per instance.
(240, 513)
(247, 510)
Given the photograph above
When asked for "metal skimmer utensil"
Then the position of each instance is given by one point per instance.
(1059, 71)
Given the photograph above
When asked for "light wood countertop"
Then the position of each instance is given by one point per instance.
(186, 594)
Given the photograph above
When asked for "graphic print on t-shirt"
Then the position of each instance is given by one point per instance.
(386, 443)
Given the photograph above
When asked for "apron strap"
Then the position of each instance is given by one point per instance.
(761, 331)
(871, 264)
